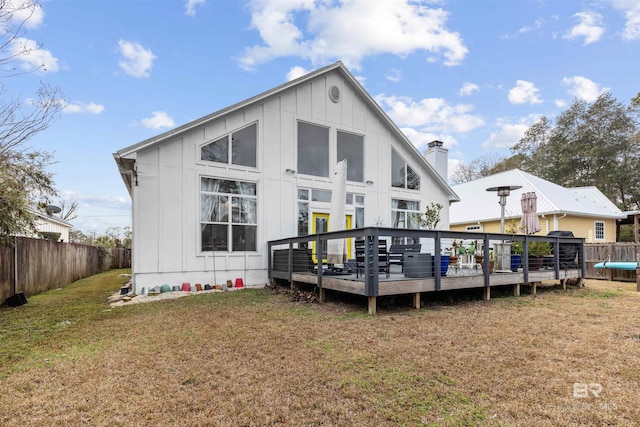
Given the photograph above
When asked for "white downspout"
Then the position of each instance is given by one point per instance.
(556, 220)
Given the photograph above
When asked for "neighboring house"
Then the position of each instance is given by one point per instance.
(585, 211)
(208, 195)
(51, 224)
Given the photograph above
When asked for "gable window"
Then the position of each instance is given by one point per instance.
(351, 147)
(313, 149)
(599, 230)
(403, 175)
(237, 148)
(228, 215)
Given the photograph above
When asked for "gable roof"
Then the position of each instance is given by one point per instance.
(125, 157)
(51, 219)
(477, 204)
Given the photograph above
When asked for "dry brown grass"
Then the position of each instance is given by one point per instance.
(257, 359)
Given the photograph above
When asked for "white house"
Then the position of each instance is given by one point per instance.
(208, 195)
(50, 224)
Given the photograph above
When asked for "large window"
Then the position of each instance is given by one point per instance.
(405, 214)
(403, 175)
(313, 149)
(237, 148)
(228, 215)
(351, 147)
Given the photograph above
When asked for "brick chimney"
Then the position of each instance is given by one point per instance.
(438, 157)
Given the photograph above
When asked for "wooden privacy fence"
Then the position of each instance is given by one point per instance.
(598, 252)
(32, 266)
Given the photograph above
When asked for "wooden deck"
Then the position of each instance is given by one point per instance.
(397, 284)
(371, 285)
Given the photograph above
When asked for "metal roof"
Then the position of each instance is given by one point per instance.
(477, 204)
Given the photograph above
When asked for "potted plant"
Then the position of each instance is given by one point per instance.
(453, 258)
(536, 253)
(516, 255)
(492, 260)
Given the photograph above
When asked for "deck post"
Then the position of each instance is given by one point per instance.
(416, 300)
(487, 293)
(322, 295)
(372, 305)
(516, 290)
(563, 282)
(533, 287)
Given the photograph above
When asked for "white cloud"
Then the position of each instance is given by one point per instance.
(509, 133)
(158, 120)
(30, 13)
(92, 200)
(81, 107)
(583, 88)
(421, 139)
(394, 75)
(590, 27)
(190, 6)
(524, 92)
(631, 9)
(537, 24)
(136, 61)
(560, 103)
(350, 30)
(430, 115)
(32, 57)
(296, 72)
(468, 88)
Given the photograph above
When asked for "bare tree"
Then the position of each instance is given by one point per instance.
(68, 213)
(478, 168)
(24, 181)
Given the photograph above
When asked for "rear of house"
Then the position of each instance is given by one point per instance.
(207, 196)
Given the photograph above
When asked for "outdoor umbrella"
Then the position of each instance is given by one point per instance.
(336, 247)
(529, 222)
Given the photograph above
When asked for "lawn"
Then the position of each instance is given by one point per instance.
(255, 358)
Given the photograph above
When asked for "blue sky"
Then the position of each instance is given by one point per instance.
(472, 73)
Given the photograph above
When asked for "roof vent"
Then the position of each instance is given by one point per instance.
(334, 93)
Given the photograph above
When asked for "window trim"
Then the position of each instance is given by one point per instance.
(407, 166)
(595, 230)
(229, 224)
(229, 137)
(338, 131)
(297, 148)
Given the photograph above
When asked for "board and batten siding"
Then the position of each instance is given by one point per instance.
(166, 201)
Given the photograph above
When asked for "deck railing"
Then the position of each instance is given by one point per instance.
(303, 254)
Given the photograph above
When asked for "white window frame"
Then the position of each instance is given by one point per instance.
(597, 234)
(229, 223)
(229, 137)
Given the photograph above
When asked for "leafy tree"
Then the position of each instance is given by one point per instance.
(588, 145)
(25, 183)
(77, 236)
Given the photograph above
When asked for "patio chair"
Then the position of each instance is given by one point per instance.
(383, 257)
